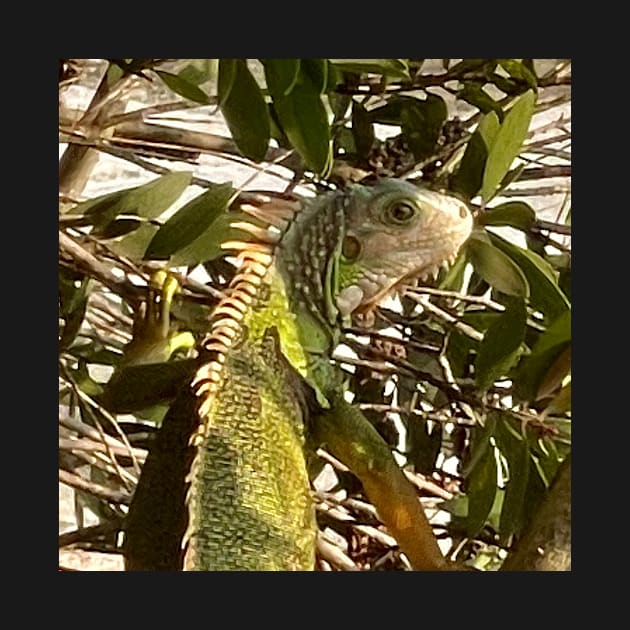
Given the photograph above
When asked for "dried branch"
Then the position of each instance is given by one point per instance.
(335, 556)
(98, 490)
(91, 533)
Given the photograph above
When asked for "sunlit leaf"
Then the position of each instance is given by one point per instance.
(469, 176)
(507, 143)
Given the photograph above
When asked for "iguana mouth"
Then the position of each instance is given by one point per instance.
(430, 272)
(372, 289)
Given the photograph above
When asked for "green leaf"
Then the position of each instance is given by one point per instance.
(282, 75)
(516, 214)
(183, 87)
(119, 227)
(389, 114)
(333, 78)
(134, 244)
(546, 296)
(189, 222)
(546, 351)
(519, 71)
(317, 72)
(516, 452)
(305, 122)
(507, 143)
(555, 375)
(501, 345)
(453, 280)
(198, 71)
(496, 267)
(561, 402)
(140, 386)
(481, 488)
(244, 108)
(558, 333)
(225, 81)
(300, 111)
(208, 244)
(148, 200)
(397, 68)
(157, 196)
(531, 372)
(474, 94)
(469, 176)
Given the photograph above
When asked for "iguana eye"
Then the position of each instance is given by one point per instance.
(400, 213)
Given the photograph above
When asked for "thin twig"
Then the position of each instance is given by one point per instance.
(84, 534)
(335, 556)
(464, 328)
(74, 481)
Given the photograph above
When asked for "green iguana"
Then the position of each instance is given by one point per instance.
(226, 487)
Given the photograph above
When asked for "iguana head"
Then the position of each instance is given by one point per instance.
(395, 232)
(348, 250)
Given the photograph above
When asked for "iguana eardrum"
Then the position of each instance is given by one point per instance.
(234, 453)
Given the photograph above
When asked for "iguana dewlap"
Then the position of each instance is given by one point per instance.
(239, 465)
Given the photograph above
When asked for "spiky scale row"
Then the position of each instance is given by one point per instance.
(255, 257)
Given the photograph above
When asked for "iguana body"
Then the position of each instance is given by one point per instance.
(304, 268)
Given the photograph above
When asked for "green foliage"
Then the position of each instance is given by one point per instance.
(189, 222)
(501, 345)
(296, 92)
(483, 377)
(184, 87)
(244, 108)
(506, 143)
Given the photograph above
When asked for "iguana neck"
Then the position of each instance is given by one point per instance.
(307, 258)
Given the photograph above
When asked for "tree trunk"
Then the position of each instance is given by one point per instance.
(546, 543)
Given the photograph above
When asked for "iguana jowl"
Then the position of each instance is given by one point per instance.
(304, 268)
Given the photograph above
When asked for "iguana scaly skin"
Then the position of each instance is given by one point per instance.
(305, 266)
